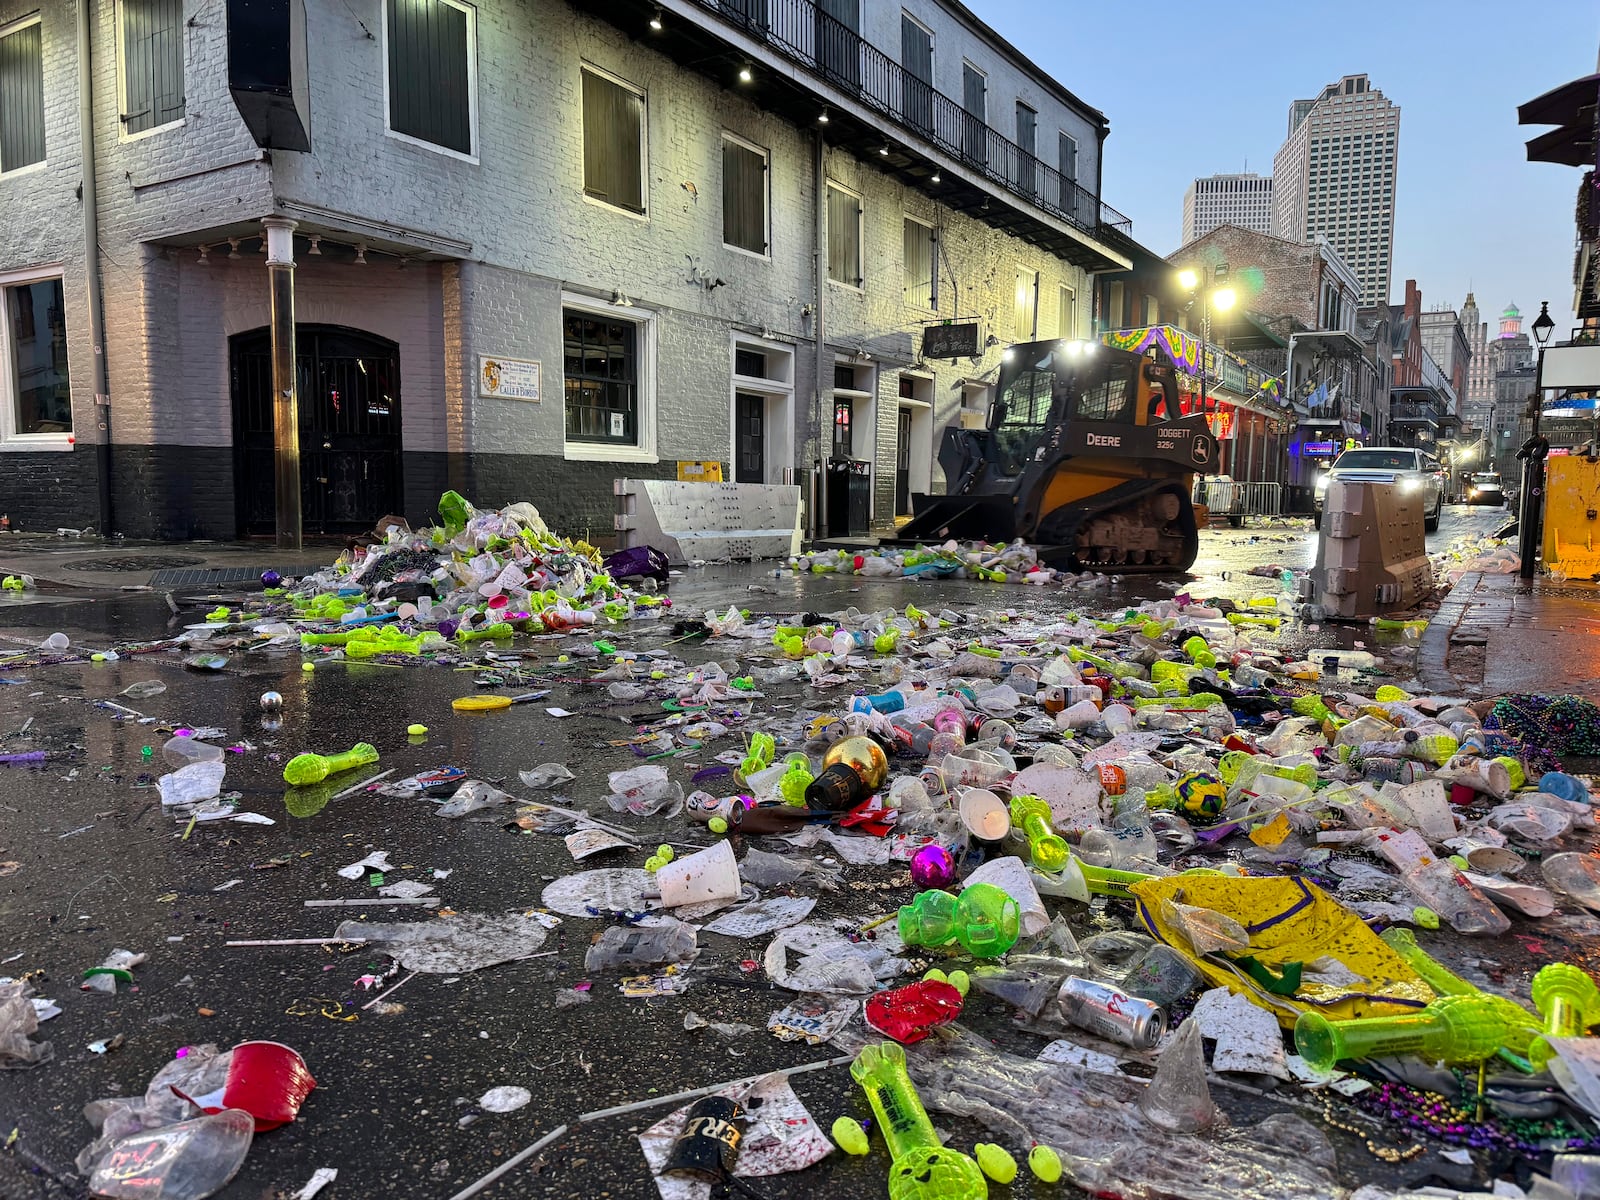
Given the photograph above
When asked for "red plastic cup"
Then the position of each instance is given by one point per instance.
(269, 1081)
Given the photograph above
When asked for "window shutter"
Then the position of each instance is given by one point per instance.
(613, 124)
(21, 99)
(430, 79)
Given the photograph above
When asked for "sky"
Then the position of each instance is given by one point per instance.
(1197, 89)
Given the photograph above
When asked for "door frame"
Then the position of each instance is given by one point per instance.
(777, 387)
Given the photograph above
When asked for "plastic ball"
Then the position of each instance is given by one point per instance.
(308, 666)
(1045, 1164)
(271, 701)
(717, 825)
(416, 730)
(1201, 797)
(653, 863)
(851, 1137)
(935, 975)
(933, 867)
(664, 853)
(270, 579)
(995, 1162)
(1425, 917)
(961, 981)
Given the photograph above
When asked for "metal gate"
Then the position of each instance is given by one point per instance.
(349, 385)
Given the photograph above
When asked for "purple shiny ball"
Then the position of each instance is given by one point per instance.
(270, 579)
(933, 867)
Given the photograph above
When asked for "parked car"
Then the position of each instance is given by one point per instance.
(1486, 487)
(1406, 467)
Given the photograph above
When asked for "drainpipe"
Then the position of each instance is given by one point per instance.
(91, 268)
(819, 473)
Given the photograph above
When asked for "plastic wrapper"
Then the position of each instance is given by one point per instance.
(623, 946)
(187, 1161)
(19, 1021)
(1106, 1143)
(450, 945)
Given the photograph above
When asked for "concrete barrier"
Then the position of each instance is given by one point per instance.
(687, 521)
(1372, 557)
(1572, 515)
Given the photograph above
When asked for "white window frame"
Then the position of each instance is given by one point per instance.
(472, 85)
(644, 145)
(10, 439)
(17, 27)
(766, 197)
(933, 247)
(122, 83)
(644, 451)
(861, 237)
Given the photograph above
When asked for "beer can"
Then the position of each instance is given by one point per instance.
(709, 1144)
(1378, 769)
(1111, 1013)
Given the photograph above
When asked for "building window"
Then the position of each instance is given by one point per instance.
(1069, 173)
(1067, 314)
(613, 141)
(843, 417)
(975, 107)
(432, 72)
(1025, 321)
(916, 80)
(602, 377)
(844, 236)
(1027, 140)
(151, 43)
(921, 265)
(744, 195)
(35, 388)
(21, 95)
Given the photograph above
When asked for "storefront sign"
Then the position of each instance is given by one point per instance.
(1319, 449)
(508, 379)
(1222, 424)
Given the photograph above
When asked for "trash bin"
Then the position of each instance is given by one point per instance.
(849, 497)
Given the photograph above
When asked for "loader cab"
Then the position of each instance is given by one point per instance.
(1044, 385)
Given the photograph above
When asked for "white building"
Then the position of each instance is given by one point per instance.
(1335, 175)
(540, 244)
(1244, 200)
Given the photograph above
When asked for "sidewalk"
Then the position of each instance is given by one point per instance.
(99, 565)
(1499, 633)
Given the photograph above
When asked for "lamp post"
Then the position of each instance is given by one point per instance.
(1530, 522)
(1209, 286)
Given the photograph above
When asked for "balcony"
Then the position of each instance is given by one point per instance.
(817, 63)
(1414, 408)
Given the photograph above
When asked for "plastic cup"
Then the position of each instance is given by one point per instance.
(985, 815)
(707, 875)
(269, 1081)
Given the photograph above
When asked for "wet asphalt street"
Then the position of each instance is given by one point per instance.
(98, 865)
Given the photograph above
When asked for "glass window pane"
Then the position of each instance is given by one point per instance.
(602, 378)
(36, 334)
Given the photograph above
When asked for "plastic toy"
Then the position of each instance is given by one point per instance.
(314, 768)
(923, 1169)
(1569, 1002)
(1453, 1029)
(1032, 815)
(984, 920)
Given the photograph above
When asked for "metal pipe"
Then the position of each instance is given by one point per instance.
(285, 392)
(819, 511)
(91, 268)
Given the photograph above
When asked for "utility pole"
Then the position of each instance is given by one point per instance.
(285, 393)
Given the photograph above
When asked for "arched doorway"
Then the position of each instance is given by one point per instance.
(349, 385)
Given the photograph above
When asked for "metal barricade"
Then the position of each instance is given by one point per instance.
(1238, 501)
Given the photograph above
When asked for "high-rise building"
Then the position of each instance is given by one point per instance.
(1244, 200)
(1480, 368)
(1334, 175)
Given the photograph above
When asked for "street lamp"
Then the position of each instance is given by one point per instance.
(1213, 293)
(1530, 523)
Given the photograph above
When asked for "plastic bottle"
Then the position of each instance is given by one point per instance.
(181, 751)
(1343, 660)
(923, 1167)
(1453, 1029)
(1455, 898)
(886, 702)
(314, 768)
(1118, 719)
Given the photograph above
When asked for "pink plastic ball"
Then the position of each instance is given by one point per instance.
(933, 867)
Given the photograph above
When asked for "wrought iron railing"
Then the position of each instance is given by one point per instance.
(1415, 410)
(806, 34)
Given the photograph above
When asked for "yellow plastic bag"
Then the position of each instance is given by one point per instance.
(1289, 921)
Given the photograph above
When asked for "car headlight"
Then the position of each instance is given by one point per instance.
(1322, 484)
(1409, 485)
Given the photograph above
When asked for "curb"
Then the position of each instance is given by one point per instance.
(1433, 655)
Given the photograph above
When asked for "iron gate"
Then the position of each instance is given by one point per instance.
(349, 385)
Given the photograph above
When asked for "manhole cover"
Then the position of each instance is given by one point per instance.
(134, 562)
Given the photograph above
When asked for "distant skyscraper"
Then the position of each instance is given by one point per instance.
(1480, 369)
(1334, 175)
(1242, 200)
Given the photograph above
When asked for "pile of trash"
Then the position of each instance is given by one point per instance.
(1081, 881)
